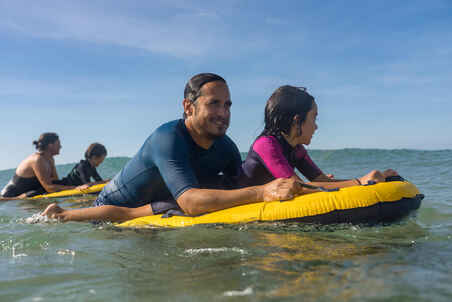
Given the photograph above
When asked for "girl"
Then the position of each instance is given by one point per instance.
(290, 122)
(82, 173)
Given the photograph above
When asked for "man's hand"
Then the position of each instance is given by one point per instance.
(281, 189)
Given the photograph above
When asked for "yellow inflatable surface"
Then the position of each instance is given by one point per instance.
(73, 192)
(381, 202)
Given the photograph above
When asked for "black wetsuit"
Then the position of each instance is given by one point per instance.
(80, 174)
(19, 185)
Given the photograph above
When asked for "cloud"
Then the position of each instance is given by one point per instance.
(26, 89)
(179, 34)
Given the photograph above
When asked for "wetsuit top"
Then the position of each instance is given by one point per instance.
(273, 157)
(19, 185)
(170, 163)
(81, 174)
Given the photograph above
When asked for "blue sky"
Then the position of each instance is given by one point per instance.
(113, 71)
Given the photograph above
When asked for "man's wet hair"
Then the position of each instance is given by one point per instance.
(95, 149)
(192, 90)
(283, 105)
(44, 140)
(193, 87)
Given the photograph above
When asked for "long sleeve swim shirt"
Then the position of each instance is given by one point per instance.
(273, 157)
(170, 163)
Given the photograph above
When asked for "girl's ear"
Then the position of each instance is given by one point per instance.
(297, 123)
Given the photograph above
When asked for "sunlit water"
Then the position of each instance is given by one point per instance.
(405, 261)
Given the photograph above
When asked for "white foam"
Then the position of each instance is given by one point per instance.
(234, 293)
(38, 218)
(17, 255)
(215, 250)
(66, 252)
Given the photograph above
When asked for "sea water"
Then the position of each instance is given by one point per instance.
(405, 261)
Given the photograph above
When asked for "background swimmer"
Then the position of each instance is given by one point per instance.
(82, 173)
(37, 173)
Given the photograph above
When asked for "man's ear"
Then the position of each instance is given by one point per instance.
(188, 107)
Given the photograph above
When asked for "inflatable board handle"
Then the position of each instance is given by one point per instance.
(172, 213)
(394, 178)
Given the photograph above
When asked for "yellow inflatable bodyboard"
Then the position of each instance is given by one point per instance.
(380, 202)
(73, 192)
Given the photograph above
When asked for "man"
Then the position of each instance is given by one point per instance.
(188, 164)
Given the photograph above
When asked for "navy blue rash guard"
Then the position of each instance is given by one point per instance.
(168, 164)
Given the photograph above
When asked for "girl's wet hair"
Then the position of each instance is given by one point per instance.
(95, 149)
(44, 140)
(283, 105)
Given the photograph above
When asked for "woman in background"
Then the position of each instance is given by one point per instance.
(37, 173)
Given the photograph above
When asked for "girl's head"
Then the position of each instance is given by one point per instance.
(48, 141)
(291, 112)
(96, 154)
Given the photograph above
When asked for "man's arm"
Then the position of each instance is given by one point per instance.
(201, 201)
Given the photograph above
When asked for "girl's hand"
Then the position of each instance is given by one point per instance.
(375, 176)
(83, 187)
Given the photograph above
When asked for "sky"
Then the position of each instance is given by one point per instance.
(113, 71)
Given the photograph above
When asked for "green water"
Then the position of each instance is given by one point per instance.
(406, 261)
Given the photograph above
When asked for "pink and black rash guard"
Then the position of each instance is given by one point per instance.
(273, 157)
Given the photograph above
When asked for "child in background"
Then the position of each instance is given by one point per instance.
(82, 173)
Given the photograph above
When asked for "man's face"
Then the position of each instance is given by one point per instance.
(211, 111)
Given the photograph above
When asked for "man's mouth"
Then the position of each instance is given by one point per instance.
(221, 123)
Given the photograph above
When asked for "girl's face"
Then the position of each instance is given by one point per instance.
(97, 160)
(308, 127)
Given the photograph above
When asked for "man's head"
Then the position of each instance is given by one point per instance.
(207, 106)
(193, 87)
